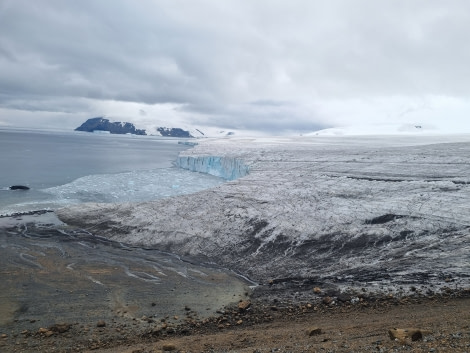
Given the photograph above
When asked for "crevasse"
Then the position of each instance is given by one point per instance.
(225, 167)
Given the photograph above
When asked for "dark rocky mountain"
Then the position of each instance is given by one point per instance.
(173, 132)
(102, 124)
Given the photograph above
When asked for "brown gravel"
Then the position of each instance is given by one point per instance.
(360, 328)
(273, 326)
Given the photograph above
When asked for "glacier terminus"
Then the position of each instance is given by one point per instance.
(386, 212)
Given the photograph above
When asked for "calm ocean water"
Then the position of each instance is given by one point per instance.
(62, 168)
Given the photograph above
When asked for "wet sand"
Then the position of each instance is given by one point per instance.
(52, 274)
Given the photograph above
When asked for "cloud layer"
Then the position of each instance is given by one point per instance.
(266, 65)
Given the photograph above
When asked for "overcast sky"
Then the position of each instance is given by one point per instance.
(278, 66)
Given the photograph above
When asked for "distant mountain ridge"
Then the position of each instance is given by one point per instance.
(173, 132)
(101, 124)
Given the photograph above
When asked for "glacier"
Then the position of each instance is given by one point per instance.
(356, 210)
(224, 167)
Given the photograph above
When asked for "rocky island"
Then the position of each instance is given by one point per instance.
(103, 125)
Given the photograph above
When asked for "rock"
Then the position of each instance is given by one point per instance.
(18, 187)
(173, 132)
(344, 298)
(168, 347)
(156, 331)
(42, 330)
(327, 300)
(49, 333)
(317, 290)
(60, 328)
(102, 124)
(244, 305)
(101, 323)
(313, 331)
(404, 334)
(4, 335)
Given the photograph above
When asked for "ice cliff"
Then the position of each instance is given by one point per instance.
(323, 209)
(224, 167)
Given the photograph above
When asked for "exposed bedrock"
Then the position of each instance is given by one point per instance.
(314, 209)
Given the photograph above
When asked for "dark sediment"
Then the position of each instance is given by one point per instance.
(70, 285)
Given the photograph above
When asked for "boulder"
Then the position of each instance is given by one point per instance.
(18, 187)
(313, 331)
(60, 328)
(244, 305)
(167, 347)
(403, 335)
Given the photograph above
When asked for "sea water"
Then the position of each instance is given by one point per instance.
(63, 168)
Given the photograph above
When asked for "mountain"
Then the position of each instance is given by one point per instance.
(102, 124)
(173, 132)
(155, 128)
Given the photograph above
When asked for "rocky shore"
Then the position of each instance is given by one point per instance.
(439, 323)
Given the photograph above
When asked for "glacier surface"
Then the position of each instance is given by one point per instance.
(369, 210)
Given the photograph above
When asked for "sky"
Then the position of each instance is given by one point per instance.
(279, 67)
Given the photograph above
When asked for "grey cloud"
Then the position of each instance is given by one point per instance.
(263, 116)
(241, 63)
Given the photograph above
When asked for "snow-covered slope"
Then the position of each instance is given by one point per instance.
(368, 210)
(379, 129)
